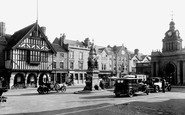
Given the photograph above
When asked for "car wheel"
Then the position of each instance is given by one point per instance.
(63, 89)
(57, 87)
(130, 93)
(40, 90)
(117, 94)
(147, 91)
(169, 88)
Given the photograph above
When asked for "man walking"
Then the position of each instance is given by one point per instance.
(163, 85)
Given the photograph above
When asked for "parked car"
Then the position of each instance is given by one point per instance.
(46, 87)
(155, 84)
(129, 86)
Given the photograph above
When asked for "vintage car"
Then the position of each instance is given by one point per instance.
(47, 87)
(129, 86)
(155, 84)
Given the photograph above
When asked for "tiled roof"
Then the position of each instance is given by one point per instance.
(58, 48)
(99, 49)
(17, 36)
(132, 55)
(56, 41)
(73, 42)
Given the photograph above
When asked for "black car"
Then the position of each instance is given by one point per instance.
(129, 86)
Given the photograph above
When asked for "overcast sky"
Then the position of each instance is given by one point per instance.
(137, 24)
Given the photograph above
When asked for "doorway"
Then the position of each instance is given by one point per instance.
(170, 71)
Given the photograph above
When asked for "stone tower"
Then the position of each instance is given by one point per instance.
(172, 41)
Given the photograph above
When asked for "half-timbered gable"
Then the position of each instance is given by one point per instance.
(30, 49)
(29, 53)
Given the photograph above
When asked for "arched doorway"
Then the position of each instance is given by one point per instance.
(170, 71)
(43, 78)
(32, 80)
(19, 81)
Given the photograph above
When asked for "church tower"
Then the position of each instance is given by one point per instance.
(172, 41)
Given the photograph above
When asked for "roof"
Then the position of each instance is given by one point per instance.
(56, 41)
(58, 48)
(18, 35)
(72, 42)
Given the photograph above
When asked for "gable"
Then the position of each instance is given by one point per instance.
(135, 58)
(104, 53)
(146, 59)
(31, 37)
(31, 41)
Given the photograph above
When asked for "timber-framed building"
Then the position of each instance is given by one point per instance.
(28, 57)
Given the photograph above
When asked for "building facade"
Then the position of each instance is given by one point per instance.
(78, 53)
(104, 61)
(60, 64)
(120, 61)
(28, 57)
(170, 63)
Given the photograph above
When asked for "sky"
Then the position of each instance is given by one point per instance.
(136, 24)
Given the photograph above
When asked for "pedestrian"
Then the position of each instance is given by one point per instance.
(101, 84)
(163, 85)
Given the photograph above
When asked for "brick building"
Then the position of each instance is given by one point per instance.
(120, 61)
(60, 64)
(78, 53)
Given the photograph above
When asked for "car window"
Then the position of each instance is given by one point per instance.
(156, 80)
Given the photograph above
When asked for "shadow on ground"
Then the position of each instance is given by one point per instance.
(62, 111)
(169, 107)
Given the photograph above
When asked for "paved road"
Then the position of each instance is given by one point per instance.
(28, 101)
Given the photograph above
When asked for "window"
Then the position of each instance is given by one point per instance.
(71, 54)
(81, 76)
(34, 57)
(61, 54)
(76, 76)
(104, 67)
(22, 55)
(54, 64)
(80, 65)
(62, 65)
(81, 56)
(71, 65)
(44, 57)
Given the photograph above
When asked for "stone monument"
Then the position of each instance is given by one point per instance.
(92, 80)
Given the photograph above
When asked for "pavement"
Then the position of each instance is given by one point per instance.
(177, 86)
(29, 101)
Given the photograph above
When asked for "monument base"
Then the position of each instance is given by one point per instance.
(92, 80)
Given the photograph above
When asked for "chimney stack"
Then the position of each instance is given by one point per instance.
(2, 29)
(62, 38)
(136, 51)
